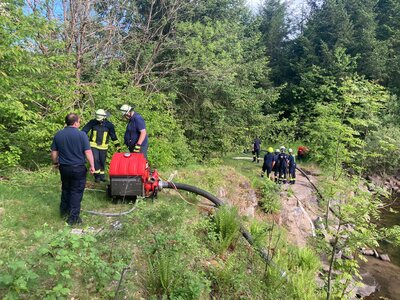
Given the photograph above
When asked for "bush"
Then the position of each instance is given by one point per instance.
(270, 201)
(224, 228)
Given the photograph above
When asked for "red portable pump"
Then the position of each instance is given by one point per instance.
(130, 175)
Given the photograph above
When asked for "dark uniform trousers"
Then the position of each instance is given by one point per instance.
(99, 157)
(73, 180)
(292, 173)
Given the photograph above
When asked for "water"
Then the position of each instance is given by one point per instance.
(390, 219)
(387, 274)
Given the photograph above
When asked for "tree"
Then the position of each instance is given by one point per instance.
(275, 29)
(36, 87)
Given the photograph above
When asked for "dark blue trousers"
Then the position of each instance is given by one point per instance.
(292, 173)
(73, 181)
(282, 173)
(99, 157)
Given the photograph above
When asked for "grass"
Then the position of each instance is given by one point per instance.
(160, 240)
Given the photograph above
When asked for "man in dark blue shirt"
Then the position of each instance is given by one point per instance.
(68, 151)
(256, 149)
(100, 131)
(135, 137)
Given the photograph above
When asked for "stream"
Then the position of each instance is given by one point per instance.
(386, 274)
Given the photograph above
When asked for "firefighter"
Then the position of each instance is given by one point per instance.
(256, 150)
(276, 165)
(100, 131)
(269, 163)
(135, 137)
(292, 167)
(283, 164)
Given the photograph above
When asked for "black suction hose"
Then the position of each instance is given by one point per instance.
(318, 192)
(189, 188)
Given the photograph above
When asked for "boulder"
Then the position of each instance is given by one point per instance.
(370, 285)
(368, 252)
(384, 257)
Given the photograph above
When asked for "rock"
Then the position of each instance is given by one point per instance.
(368, 252)
(338, 254)
(77, 231)
(370, 285)
(347, 255)
(117, 225)
(319, 224)
(250, 211)
(221, 193)
(384, 257)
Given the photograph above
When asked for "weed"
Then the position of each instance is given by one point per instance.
(225, 228)
(270, 201)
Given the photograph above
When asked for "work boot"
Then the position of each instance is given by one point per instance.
(64, 214)
(103, 177)
(74, 221)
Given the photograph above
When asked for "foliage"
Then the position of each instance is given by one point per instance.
(270, 201)
(339, 131)
(36, 84)
(61, 256)
(218, 85)
(392, 234)
(167, 144)
(224, 230)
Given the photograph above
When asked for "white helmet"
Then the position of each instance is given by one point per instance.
(125, 109)
(283, 149)
(290, 150)
(100, 114)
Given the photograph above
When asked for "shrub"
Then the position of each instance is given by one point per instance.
(270, 201)
(225, 228)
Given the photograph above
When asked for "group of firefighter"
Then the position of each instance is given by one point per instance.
(278, 165)
(100, 131)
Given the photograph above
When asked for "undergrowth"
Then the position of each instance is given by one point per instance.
(166, 249)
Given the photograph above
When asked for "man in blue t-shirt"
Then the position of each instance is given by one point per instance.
(256, 150)
(69, 149)
(135, 137)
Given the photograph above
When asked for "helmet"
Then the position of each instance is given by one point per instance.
(125, 109)
(100, 114)
(290, 150)
(270, 150)
(276, 151)
(283, 149)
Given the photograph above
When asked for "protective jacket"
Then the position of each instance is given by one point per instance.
(100, 134)
(268, 161)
